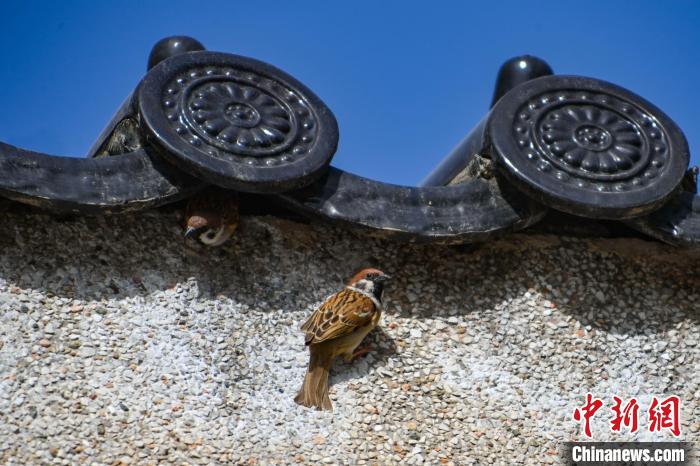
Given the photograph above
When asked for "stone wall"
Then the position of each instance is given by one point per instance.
(119, 343)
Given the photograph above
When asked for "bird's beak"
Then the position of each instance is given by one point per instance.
(384, 278)
(192, 232)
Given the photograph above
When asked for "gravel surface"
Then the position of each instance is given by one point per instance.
(118, 345)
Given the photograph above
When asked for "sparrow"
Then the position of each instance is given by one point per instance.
(335, 329)
(212, 216)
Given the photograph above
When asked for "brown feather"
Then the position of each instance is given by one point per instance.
(212, 208)
(314, 390)
(341, 314)
(362, 274)
(336, 328)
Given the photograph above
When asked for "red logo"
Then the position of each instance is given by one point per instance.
(626, 416)
(589, 409)
(664, 414)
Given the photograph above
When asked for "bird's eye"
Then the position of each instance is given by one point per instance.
(211, 234)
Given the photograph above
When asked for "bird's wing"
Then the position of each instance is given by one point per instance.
(341, 314)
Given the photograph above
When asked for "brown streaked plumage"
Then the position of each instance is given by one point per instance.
(212, 216)
(337, 328)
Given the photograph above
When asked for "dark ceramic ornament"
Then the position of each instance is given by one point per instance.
(579, 145)
(587, 147)
(237, 122)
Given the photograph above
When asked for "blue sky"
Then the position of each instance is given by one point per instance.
(406, 80)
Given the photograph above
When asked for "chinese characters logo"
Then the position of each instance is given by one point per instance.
(661, 414)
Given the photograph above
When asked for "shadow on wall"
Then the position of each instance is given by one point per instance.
(271, 262)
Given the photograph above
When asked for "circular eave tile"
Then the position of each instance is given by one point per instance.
(237, 122)
(587, 147)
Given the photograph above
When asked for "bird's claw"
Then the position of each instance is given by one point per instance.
(359, 352)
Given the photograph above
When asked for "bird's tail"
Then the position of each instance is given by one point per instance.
(314, 391)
